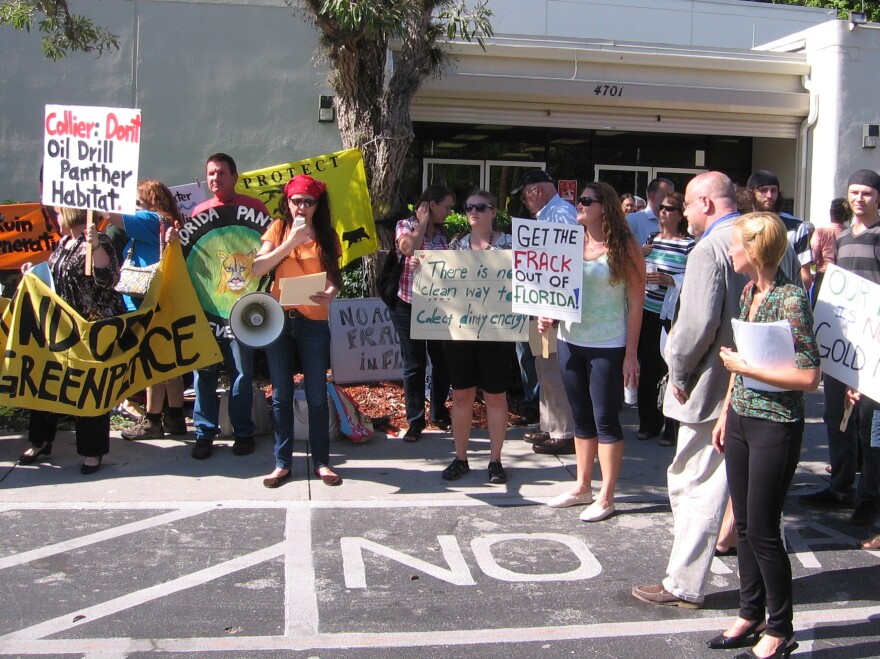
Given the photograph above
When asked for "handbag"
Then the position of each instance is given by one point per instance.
(388, 280)
(135, 280)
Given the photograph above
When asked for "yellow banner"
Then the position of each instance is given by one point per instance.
(26, 235)
(58, 362)
(346, 179)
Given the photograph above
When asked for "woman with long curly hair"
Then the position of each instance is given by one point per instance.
(302, 242)
(598, 355)
(156, 213)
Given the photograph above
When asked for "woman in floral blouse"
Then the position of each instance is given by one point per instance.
(760, 433)
(93, 297)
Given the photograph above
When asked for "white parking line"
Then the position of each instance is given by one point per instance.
(300, 598)
(99, 536)
(92, 613)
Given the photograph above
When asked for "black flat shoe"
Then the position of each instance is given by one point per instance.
(782, 652)
(30, 458)
(90, 469)
(722, 642)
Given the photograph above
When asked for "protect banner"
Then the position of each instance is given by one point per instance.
(350, 209)
(57, 361)
(26, 235)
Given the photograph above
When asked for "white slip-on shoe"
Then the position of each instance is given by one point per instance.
(597, 513)
(566, 500)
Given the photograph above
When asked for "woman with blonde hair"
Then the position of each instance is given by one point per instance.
(598, 354)
(760, 432)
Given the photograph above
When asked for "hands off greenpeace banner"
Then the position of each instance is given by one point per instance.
(350, 209)
(548, 269)
(90, 157)
(465, 295)
(847, 327)
(26, 235)
(58, 362)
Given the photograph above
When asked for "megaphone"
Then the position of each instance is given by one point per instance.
(256, 320)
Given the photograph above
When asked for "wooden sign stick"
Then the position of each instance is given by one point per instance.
(90, 220)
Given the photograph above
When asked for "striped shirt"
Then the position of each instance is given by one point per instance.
(799, 233)
(860, 254)
(670, 256)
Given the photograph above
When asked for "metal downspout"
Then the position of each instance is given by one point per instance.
(802, 187)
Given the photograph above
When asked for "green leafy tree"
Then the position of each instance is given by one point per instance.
(62, 31)
(372, 100)
(843, 7)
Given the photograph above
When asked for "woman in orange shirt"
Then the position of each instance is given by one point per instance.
(302, 242)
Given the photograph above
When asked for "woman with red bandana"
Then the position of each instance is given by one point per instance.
(302, 242)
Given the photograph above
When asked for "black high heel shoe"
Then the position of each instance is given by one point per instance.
(722, 642)
(30, 458)
(785, 648)
(90, 469)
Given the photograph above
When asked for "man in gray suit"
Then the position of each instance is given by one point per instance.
(698, 383)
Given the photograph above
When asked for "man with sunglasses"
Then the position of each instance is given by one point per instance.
(222, 175)
(645, 223)
(556, 422)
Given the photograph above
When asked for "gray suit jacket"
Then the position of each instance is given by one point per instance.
(709, 300)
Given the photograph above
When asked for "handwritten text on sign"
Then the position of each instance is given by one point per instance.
(365, 347)
(547, 269)
(90, 157)
(465, 295)
(847, 326)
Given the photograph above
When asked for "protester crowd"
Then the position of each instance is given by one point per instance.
(682, 271)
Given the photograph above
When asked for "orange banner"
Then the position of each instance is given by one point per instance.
(26, 235)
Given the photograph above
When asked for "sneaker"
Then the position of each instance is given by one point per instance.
(145, 429)
(202, 449)
(243, 446)
(456, 470)
(174, 425)
(497, 474)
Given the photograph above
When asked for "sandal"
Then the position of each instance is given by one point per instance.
(871, 544)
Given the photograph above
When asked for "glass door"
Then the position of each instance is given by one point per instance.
(625, 179)
(503, 176)
(460, 176)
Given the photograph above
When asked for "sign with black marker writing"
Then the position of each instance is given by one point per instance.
(847, 327)
(90, 157)
(548, 269)
(365, 347)
(465, 295)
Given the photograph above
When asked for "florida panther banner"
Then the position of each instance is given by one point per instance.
(26, 235)
(58, 362)
(346, 179)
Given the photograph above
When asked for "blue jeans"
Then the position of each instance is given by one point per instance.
(311, 338)
(414, 353)
(531, 390)
(239, 361)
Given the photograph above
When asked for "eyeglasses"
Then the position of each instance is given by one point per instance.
(305, 203)
(669, 209)
(477, 207)
(586, 201)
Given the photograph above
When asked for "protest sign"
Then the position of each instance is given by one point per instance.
(90, 157)
(26, 235)
(365, 347)
(464, 294)
(188, 196)
(219, 245)
(57, 361)
(350, 209)
(548, 269)
(847, 327)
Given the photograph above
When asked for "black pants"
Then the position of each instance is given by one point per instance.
(844, 445)
(653, 368)
(92, 432)
(761, 458)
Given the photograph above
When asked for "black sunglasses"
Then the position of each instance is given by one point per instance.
(306, 203)
(586, 201)
(477, 207)
(669, 209)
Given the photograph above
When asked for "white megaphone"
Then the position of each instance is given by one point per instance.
(256, 320)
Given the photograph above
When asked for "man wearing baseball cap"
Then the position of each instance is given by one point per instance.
(857, 250)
